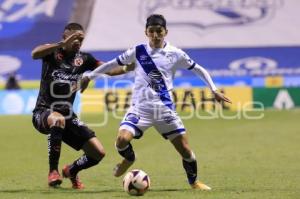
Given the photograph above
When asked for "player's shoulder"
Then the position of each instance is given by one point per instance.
(83, 53)
(136, 47)
(171, 48)
(86, 55)
(139, 46)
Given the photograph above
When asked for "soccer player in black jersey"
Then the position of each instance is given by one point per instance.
(63, 66)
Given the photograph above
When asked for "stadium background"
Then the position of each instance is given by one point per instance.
(250, 47)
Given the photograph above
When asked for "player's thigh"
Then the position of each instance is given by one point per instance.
(94, 148)
(182, 146)
(39, 120)
(169, 124)
(77, 133)
(136, 122)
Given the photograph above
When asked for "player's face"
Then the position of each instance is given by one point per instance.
(76, 44)
(156, 35)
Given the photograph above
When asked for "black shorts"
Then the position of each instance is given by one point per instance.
(76, 133)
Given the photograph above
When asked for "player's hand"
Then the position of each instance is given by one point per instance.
(72, 37)
(84, 83)
(220, 97)
(129, 67)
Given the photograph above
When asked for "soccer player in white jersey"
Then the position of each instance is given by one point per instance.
(152, 105)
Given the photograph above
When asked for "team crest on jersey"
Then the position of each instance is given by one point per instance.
(156, 80)
(171, 58)
(78, 61)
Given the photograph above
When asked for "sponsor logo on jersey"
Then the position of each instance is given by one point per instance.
(62, 75)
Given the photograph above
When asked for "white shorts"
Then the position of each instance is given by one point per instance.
(164, 120)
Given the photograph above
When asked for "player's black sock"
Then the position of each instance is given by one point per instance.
(54, 146)
(127, 153)
(191, 170)
(83, 162)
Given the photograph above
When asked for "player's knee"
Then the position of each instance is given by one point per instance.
(190, 157)
(56, 119)
(186, 152)
(123, 139)
(99, 155)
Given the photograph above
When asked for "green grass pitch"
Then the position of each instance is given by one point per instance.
(242, 159)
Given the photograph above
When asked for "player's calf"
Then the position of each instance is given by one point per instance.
(190, 167)
(129, 157)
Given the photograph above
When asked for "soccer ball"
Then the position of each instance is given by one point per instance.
(136, 182)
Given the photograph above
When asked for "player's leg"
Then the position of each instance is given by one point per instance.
(93, 154)
(53, 124)
(132, 126)
(79, 136)
(56, 123)
(189, 161)
(170, 126)
(125, 149)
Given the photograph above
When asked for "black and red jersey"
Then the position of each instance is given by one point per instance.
(60, 79)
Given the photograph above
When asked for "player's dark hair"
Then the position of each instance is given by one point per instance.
(73, 26)
(156, 19)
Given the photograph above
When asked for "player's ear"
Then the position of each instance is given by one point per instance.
(166, 32)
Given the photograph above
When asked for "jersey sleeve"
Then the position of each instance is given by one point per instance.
(91, 62)
(50, 57)
(184, 61)
(127, 57)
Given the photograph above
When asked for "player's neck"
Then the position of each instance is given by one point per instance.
(157, 45)
(71, 52)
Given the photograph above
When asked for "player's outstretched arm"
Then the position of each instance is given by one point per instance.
(46, 49)
(121, 70)
(208, 80)
(220, 97)
(102, 69)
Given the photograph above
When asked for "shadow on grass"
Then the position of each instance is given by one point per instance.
(168, 190)
(62, 190)
(59, 190)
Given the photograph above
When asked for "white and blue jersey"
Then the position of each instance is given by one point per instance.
(154, 73)
(152, 103)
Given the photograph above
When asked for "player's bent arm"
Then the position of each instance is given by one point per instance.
(207, 79)
(204, 75)
(44, 50)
